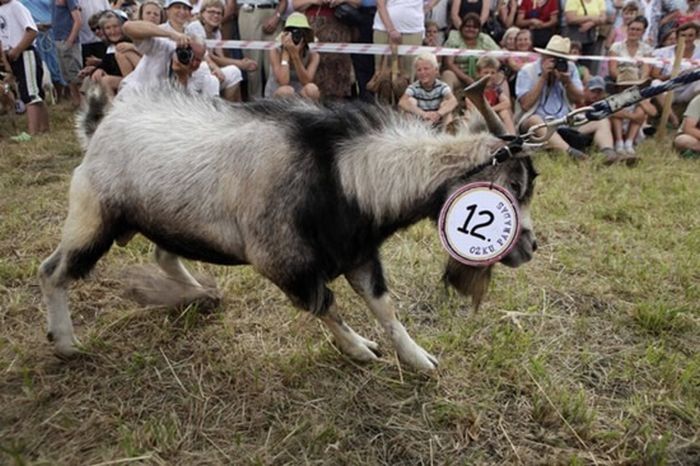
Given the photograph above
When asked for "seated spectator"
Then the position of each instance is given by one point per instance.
(508, 40)
(540, 17)
(583, 70)
(166, 55)
(90, 44)
(627, 123)
(65, 27)
(119, 60)
(631, 48)
(689, 34)
(595, 90)
(630, 10)
(460, 8)
(151, 10)
(226, 70)
(292, 65)
(691, 14)
(461, 71)
(687, 141)
(550, 88)
(18, 36)
(667, 40)
(493, 93)
(429, 98)
(432, 38)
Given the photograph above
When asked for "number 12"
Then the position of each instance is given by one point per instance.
(465, 228)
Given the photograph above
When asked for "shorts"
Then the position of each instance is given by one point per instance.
(29, 73)
(232, 76)
(70, 60)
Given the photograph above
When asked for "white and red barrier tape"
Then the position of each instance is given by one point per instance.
(383, 49)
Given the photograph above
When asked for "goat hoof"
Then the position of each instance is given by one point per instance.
(419, 359)
(362, 350)
(67, 351)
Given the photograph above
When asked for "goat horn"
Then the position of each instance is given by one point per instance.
(475, 93)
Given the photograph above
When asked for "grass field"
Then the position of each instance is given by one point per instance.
(589, 354)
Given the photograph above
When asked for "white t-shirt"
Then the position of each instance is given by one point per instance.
(154, 69)
(15, 19)
(407, 16)
(87, 9)
(668, 53)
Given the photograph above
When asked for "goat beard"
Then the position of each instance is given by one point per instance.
(469, 281)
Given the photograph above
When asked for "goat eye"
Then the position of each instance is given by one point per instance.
(515, 186)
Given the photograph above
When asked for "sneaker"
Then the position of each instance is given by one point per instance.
(576, 154)
(629, 148)
(21, 137)
(619, 147)
(611, 156)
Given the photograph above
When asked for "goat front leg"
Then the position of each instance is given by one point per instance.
(368, 281)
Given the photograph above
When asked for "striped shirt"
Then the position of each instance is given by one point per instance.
(428, 100)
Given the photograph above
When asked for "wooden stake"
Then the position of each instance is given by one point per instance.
(666, 111)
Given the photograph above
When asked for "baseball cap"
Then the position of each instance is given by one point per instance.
(170, 3)
(596, 83)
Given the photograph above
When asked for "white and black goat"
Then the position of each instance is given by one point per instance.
(301, 192)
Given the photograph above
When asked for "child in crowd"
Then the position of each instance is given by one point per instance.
(583, 70)
(493, 93)
(433, 38)
(429, 98)
(151, 10)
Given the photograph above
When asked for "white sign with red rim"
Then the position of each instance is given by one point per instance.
(479, 224)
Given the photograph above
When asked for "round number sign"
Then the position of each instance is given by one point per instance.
(479, 224)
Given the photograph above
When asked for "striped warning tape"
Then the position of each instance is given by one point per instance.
(383, 49)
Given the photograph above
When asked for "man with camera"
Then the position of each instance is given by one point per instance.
(167, 54)
(551, 88)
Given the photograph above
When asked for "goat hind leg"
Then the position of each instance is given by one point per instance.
(315, 297)
(368, 281)
(170, 264)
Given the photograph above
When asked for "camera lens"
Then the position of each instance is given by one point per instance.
(184, 55)
(561, 65)
(297, 35)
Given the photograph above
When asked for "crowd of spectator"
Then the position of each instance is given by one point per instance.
(126, 44)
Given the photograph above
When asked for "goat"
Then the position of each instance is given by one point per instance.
(303, 193)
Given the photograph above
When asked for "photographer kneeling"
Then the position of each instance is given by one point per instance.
(167, 55)
(550, 88)
(292, 65)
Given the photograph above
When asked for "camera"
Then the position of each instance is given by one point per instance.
(184, 54)
(297, 35)
(561, 64)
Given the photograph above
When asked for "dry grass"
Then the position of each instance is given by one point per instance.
(588, 355)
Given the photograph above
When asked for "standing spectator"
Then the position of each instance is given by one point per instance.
(482, 8)
(438, 12)
(45, 46)
(651, 9)
(90, 44)
(429, 98)
(507, 11)
(363, 64)
(334, 76)
(670, 13)
(583, 18)
(399, 22)
(259, 20)
(691, 13)
(687, 141)
(66, 21)
(550, 88)
(541, 17)
(16, 42)
(461, 71)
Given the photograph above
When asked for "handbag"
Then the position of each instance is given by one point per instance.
(574, 33)
(388, 83)
(348, 14)
(494, 28)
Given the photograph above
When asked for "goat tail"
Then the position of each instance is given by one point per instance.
(97, 102)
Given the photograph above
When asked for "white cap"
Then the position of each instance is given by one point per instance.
(170, 3)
